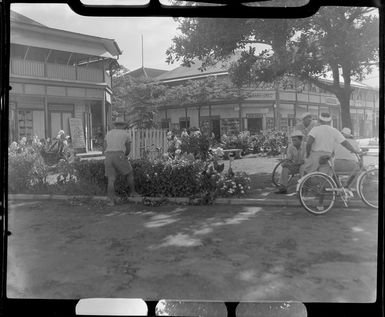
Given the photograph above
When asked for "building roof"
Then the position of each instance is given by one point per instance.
(182, 73)
(145, 72)
(28, 32)
(17, 17)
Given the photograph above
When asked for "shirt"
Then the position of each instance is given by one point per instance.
(116, 140)
(294, 154)
(325, 138)
(342, 153)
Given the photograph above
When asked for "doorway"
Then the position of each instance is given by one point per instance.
(216, 128)
(59, 116)
(254, 125)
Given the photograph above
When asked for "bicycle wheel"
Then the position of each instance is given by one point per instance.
(316, 193)
(367, 187)
(277, 173)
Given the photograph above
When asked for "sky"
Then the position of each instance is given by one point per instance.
(157, 32)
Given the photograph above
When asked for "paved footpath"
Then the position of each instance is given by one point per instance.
(61, 249)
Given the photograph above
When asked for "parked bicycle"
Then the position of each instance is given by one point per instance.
(277, 171)
(317, 191)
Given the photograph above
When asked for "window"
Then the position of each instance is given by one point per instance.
(165, 124)
(59, 116)
(25, 123)
(184, 123)
(269, 123)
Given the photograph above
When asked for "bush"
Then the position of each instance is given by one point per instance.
(90, 172)
(194, 143)
(241, 141)
(268, 143)
(179, 177)
(26, 167)
(237, 184)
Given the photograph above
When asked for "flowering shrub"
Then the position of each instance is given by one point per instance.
(268, 143)
(233, 185)
(26, 167)
(194, 143)
(53, 150)
(241, 141)
(181, 176)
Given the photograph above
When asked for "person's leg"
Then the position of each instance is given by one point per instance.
(284, 178)
(283, 181)
(110, 173)
(111, 190)
(131, 184)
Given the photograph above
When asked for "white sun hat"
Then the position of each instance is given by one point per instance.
(296, 133)
(347, 132)
(325, 117)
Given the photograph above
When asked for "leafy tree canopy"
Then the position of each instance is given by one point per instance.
(342, 41)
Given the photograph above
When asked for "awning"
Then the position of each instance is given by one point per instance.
(64, 41)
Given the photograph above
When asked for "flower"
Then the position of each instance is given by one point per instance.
(13, 146)
(23, 140)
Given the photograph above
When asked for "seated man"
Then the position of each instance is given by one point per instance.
(345, 162)
(295, 157)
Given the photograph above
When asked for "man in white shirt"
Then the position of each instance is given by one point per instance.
(346, 162)
(321, 141)
(117, 146)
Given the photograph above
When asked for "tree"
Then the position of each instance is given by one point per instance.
(139, 98)
(338, 40)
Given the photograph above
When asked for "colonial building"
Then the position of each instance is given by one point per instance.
(56, 75)
(266, 107)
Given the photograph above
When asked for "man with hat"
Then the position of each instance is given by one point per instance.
(306, 125)
(117, 146)
(295, 156)
(321, 141)
(346, 162)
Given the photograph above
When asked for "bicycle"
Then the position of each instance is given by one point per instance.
(276, 174)
(277, 171)
(317, 191)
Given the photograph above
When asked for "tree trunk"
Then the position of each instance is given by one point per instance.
(344, 98)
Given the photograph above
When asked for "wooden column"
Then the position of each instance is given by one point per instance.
(276, 108)
(104, 119)
(46, 117)
(185, 112)
(199, 117)
(240, 117)
(210, 123)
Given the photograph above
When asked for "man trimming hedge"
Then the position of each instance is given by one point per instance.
(117, 146)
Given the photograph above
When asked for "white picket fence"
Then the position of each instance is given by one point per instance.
(147, 142)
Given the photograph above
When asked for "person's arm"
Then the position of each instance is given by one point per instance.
(309, 143)
(349, 147)
(104, 145)
(128, 147)
(290, 153)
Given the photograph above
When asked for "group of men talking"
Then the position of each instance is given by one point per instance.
(312, 140)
